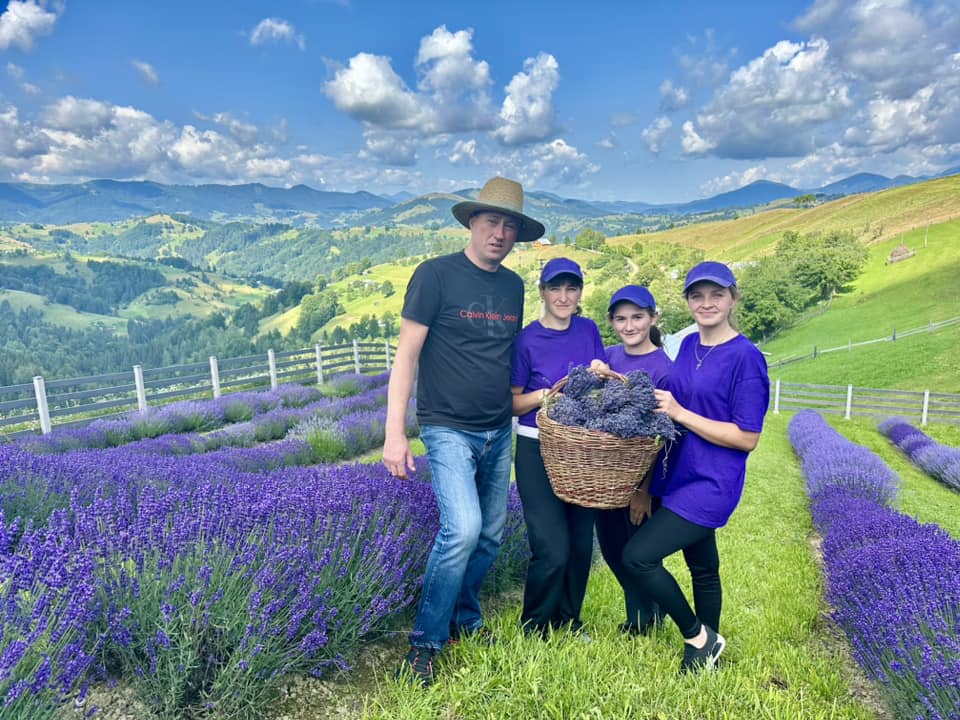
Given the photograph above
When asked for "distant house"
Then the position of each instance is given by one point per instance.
(900, 252)
(542, 242)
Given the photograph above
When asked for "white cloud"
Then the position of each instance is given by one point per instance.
(452, 96)
(275, 30)
(736, 180)
(692, 143)
(654, 134)
(607, 143)
(672, 98)
(147, 72)
(80, 116)
(22, 22)
(369, 90)
(246, 133)
(623, 119)
(14, 71)
(464, 153)
(549, 164)
(527, 111)
(389, 148)
(453, 84)
(772, 105)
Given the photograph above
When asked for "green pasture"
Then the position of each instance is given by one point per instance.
(62, 315)
(784, 659)
(886, 298)
(872, 217)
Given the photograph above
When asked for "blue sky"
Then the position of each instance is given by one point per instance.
(649, 101)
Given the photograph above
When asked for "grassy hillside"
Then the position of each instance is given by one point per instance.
(872, 217)
(62, 315)
(197, 294)
(901, 296)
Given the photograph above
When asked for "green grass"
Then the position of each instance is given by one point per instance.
(783, 660)
(872, 216)
(920, 496)
(62, 315)
(902, 296)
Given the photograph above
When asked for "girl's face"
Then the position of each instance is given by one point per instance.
(632, 324)
(710, 305)
(560, 299)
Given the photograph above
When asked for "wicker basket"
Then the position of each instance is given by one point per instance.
(593, 468)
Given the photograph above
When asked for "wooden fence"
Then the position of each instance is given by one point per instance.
(75, 401)
(923, 407)
(892, 337)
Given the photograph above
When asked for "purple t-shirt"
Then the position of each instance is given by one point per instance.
(542, 356)
(703, 481)
(656, 364)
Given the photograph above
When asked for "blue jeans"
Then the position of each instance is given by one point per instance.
(471, 479)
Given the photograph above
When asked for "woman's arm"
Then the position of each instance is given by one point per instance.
(525, 402)
(724, 434)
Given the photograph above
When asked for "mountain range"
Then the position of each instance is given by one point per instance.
(112, 200)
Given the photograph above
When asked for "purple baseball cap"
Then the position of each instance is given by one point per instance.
(637, 294)
(559, 266)
(711, 271)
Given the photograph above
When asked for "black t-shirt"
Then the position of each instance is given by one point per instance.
(463, 380)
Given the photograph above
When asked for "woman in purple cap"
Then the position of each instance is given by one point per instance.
(718, 390)
(633, 316)
(560, 533)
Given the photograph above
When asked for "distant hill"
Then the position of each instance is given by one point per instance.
(113, 201)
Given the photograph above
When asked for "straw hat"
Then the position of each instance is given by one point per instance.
(500, 195)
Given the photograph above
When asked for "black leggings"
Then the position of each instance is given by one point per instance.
(561, 542)
(662, 535)
(614, 531)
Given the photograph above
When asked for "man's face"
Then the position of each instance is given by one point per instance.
(492, 236)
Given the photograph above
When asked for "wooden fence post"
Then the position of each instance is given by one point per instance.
(926, 407)
(40, 391)
(776, 397)
(215, 376)
(141, 389)
(272, 364)
(386, 348)
(319, 365)
(356, 356)
(846, 415)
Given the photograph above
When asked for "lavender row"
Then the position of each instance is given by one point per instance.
(202, 416)
(892, 583)
(33, 486)
(200, 584)
(941, 462)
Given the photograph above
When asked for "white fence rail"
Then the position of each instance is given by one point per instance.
(75, 401)
(892, 337)
(920, 406)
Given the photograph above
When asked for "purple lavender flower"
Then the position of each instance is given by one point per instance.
(892, 583)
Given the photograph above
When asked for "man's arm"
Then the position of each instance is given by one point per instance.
(396, 449)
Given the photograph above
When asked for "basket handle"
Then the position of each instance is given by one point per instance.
(605, 374)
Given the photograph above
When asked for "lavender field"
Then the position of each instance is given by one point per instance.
(893, 583)
(205, 552)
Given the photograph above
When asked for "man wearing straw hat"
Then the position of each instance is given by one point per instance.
(460, 315)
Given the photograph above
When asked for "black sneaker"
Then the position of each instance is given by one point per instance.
(417, 665)
(704, 658)
(481, 635)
